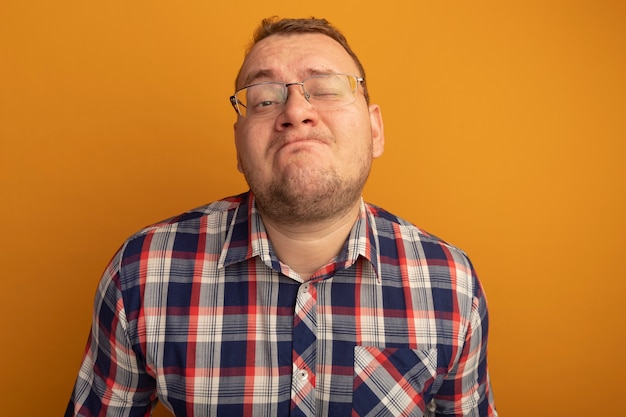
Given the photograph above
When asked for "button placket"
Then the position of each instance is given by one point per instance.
(304, 350)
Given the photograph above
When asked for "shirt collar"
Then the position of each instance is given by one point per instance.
(246, 238)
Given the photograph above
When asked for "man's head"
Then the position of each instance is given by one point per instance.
(306, 159)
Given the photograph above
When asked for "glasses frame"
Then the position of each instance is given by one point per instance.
(235, 103)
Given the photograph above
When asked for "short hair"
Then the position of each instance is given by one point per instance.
(275, 26)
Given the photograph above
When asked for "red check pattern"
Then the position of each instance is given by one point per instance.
(198, 313)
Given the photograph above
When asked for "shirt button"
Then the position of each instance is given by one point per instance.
(303, 374)
(304, 288)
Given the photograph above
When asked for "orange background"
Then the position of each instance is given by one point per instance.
(505, 126)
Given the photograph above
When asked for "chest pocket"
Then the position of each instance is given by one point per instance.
(392, 381)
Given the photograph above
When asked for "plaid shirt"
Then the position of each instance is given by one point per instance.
(198, 313)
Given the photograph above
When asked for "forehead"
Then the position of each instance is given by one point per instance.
(295, 55)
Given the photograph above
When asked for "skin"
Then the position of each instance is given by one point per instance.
(307, 168)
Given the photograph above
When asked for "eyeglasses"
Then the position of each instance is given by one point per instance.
(325, 91)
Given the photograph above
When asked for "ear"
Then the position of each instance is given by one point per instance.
(378, 132)
(239, 168)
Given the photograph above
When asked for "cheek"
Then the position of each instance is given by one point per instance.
(250, 150)
(244, 153)
(354, 136)
(242, 141)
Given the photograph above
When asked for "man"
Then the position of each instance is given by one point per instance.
(296, 298)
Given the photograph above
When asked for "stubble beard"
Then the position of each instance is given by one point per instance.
(309, 196)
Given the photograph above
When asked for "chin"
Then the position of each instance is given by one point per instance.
(308, 201)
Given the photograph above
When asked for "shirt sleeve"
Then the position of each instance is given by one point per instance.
(466, 389)
(112, 379)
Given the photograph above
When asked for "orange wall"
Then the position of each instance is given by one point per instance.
(506, 132)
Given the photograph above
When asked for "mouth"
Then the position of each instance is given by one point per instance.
(297, 142)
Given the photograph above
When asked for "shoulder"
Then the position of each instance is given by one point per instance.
(424, 258)
(433, 268)
(180, 236)
(195, 220)
(390, 226)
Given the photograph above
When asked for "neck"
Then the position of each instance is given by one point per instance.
(307, 247)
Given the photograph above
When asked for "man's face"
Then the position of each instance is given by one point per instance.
(304, 164)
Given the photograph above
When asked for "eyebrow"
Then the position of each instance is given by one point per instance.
(268, 74)
(257, 75)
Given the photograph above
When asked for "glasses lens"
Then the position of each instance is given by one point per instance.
(260, 99)
(322, 91)
(331, 90)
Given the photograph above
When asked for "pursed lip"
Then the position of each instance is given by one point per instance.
(283, 142)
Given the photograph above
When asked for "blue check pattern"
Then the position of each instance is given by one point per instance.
(197, 312)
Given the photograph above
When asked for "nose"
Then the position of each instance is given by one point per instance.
(305, 93)
(297, 108)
